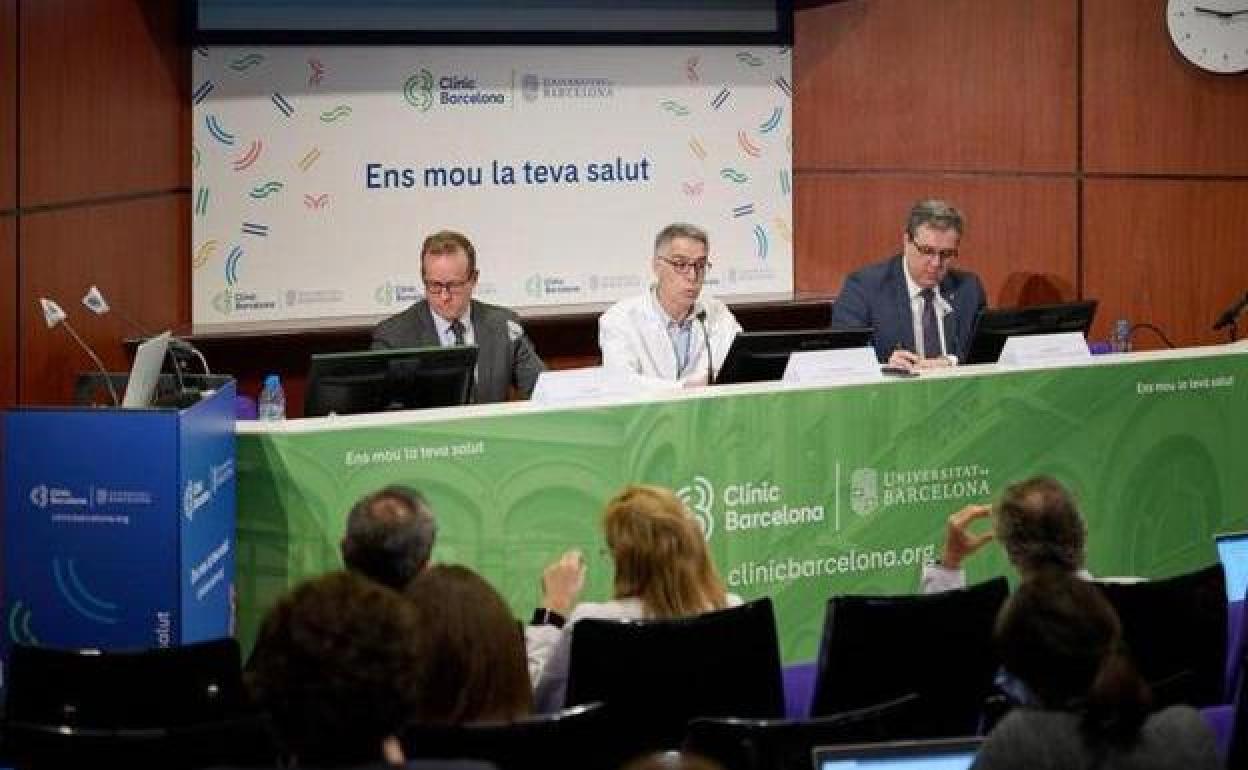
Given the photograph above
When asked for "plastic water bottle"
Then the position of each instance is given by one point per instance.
(272, 402)
(1120, 340)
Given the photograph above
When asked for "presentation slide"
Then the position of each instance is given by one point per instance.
(318, 171)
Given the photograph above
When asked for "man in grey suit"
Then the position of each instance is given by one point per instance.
(448, 315)
(921, 311)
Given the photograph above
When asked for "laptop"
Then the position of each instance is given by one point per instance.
(149, 359)
(940, 754)
(1233, 551)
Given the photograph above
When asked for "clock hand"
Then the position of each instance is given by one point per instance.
(1224, 15)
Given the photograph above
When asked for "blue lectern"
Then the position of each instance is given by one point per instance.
(119, 524)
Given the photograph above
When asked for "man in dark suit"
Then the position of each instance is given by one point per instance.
(921, 310)
(448, 315)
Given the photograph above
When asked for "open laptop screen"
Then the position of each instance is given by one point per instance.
(945, 754)
(1233, 551)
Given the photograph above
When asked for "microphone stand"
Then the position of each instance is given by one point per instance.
(108, 380)
(706, 337)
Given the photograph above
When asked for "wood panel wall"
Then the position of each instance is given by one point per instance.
(103, 127)
(1089, 159)
(8, 202)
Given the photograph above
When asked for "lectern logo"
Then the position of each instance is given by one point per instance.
(39, 496)
(865, 491)
(195, 495)
(699, 497)
(534, 285)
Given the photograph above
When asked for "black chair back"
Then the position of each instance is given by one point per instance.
(173, 707)
(574, 738)
(779, 744)
(1237, 753)
(938, 646)
(1175, 629)
(656, 675)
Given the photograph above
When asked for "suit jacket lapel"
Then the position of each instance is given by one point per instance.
(426, 330)
(487, 342)
(952, 320)
(903, 315)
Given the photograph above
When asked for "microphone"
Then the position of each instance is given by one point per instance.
(54, 316)
(1229, 316)
(94, 301)
(706, 336)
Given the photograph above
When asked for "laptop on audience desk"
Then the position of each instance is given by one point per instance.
(939, 754)
(1233, 551)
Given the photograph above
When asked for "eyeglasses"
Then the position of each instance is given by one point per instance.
(944, 255)
(450, 287)
(685, 266)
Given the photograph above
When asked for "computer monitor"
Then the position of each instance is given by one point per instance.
(1233, 552)
(381, 380)
(939, 754)
(762, 356)
(995, 325)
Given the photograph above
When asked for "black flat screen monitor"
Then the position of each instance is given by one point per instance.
(762, 356)
(995, 325)
(382, 380)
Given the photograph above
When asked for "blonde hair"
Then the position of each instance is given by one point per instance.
(660, 555)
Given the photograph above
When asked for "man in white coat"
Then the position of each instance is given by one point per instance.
(671, 332)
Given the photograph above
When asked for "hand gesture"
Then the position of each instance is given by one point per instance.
(562, 581)
(960, 542)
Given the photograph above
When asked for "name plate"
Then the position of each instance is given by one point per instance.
(1040, 349)
(594, 383)
(832, 366)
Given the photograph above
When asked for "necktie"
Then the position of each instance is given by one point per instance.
(931, 333)
(457, 328)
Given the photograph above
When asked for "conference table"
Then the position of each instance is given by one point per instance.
(803, 491)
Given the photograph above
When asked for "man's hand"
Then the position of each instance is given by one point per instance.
(939, 362)
(562, 582)
(904, 359)
(960, 542)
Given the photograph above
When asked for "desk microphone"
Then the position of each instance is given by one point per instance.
(706, 336)
(1229, 316)
(54, 316)
(95, 302)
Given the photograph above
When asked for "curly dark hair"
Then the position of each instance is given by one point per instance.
(338, 666)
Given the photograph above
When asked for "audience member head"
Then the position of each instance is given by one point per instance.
(474, 647)
(1039, 526)
(338, 665)
(660, 554)
(1059, 635)
(390, 535)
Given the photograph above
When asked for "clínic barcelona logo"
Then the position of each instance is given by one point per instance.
(698, 497)
(223, 302)
(418, 90)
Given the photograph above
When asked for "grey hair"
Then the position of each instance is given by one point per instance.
(390, 535)
(1039, 525)
(936, 214)
(680, 230)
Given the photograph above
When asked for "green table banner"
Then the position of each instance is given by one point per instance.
(802, 493)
